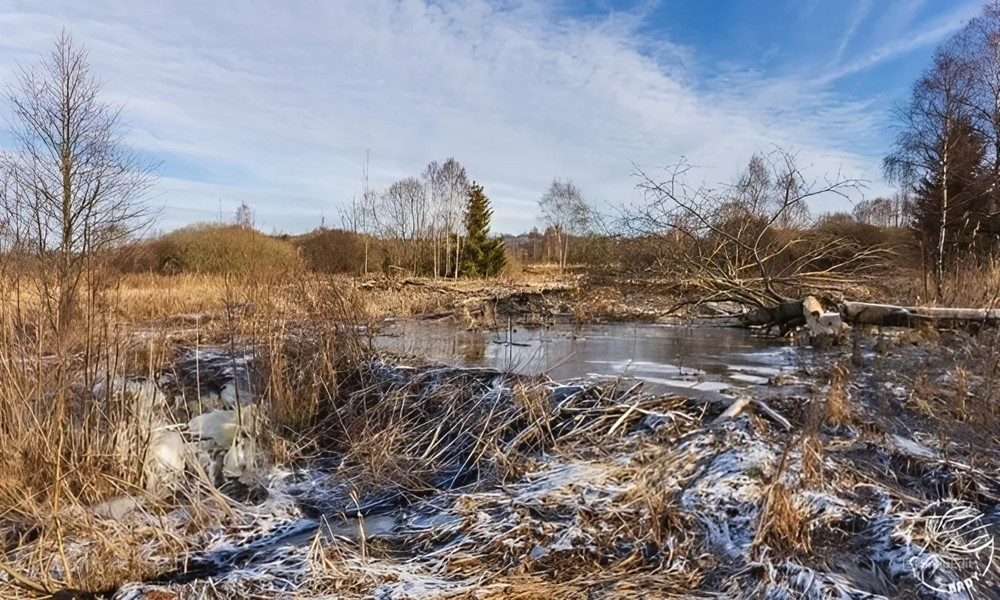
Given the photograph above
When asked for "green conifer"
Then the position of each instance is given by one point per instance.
(482, 256)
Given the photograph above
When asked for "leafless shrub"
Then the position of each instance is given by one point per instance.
(227, 250)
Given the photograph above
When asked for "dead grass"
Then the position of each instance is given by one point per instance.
(838, 406)
(391, 429)
(784, 524)
(961, 399)
(74, 435)
(146, 297)
(813, 472)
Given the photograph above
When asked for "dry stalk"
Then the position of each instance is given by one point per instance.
(961, 394)
(812, 446)
(838, 408)
(922, 393)
(783, 525)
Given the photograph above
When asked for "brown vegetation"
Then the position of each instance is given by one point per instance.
(519, 486)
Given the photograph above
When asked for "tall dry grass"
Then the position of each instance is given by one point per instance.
(74, 435)
(66, 444)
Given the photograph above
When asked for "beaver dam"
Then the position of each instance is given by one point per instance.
(599, 462)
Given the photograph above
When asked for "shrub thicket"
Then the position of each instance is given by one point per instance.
(214, 249)
(338, 251)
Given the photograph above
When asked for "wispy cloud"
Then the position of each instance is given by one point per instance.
(864, 7)
(927, 35)
(277, 103)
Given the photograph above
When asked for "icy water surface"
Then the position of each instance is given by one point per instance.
(676, 358)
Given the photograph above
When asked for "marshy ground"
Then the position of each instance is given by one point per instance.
(324, 452)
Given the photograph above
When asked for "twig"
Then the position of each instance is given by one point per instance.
(773, 414)
(22, 580)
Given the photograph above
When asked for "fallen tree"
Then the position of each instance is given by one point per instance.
(750, 241)
(864, 313)
(810, 313)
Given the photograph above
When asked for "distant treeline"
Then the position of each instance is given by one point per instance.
(235, 249)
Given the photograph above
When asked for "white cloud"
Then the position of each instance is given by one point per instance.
(276, 103)
(859, 15)
(897, 45)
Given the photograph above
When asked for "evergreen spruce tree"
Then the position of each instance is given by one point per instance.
(970, 213)
(482, 255)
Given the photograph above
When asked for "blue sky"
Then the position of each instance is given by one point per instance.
(276, 103)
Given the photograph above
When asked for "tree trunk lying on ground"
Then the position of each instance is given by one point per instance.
(863, 313)
(809, 312)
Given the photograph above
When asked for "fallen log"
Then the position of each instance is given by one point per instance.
(772, 414)
(865, 313)
(734, 409)
(810, 313)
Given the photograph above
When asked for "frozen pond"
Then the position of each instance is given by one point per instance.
(678, 358)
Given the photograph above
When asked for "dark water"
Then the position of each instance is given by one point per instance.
(686, 358)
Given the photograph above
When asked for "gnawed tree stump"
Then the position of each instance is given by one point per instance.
(785, 316)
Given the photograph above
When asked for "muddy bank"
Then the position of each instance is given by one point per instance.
(536, 300)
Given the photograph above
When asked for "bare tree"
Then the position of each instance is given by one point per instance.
(753, 186)
(402, 216)
(725, 249)
(764, 187)
(448, 186)
(244, 216)
(11, 211)
(434, 185)
(563, 208)
(84, 190)
(977, 48)
(902, 207)
(877, 211)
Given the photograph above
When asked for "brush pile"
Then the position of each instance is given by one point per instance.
(440, 482)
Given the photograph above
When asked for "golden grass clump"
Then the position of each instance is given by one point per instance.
(783, 524)
(922, 393)
(838, 407)
(812, 446)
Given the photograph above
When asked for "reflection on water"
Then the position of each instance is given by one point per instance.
(706, 359)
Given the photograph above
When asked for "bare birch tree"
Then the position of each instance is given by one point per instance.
(877, 211)
(402, 216)
(433, 177)
(448, 185)
(84, 191)
(977, 47)
(928, 139)
(563, 208)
